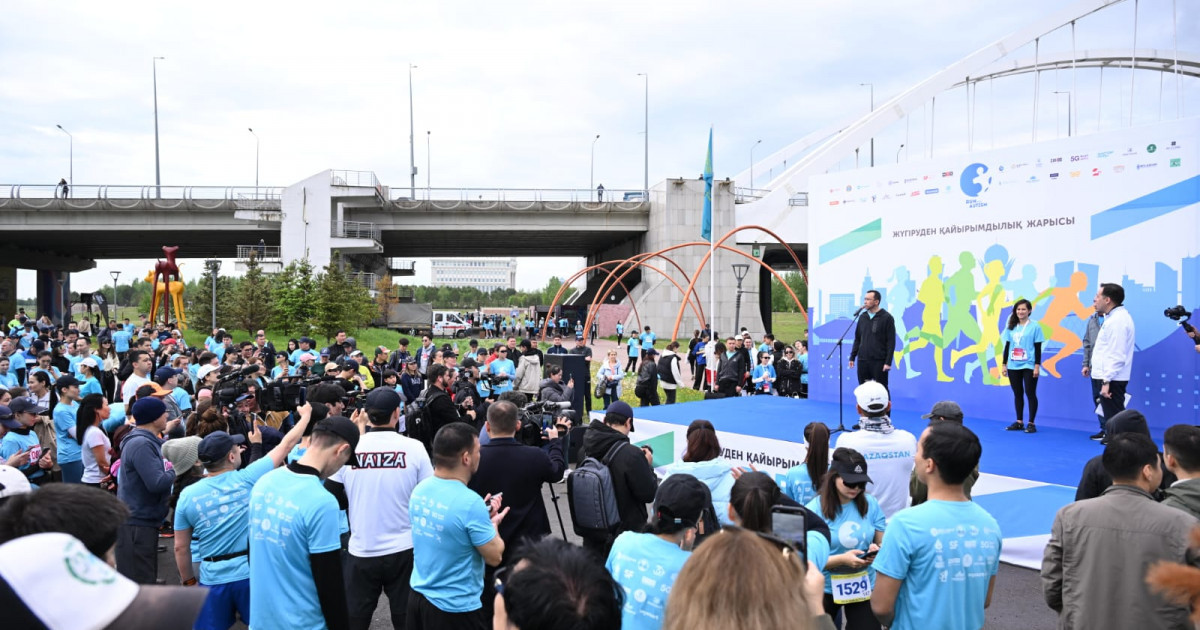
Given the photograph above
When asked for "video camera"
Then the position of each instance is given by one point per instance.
(1181, 314)
(488, 381)
(536, 417)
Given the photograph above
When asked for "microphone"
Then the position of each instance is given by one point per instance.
(859, 311)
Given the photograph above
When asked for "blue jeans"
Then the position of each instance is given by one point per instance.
(610, 394)
(72, 472)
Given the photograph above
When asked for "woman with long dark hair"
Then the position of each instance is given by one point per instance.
(93, 442)
(856, 524)
(801, 481)
(703, 460)
(750, 502)
(1022, 362)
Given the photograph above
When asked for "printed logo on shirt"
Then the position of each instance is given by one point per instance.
(393, 459)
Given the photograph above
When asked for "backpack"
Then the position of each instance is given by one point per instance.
(590, 495)
(417, 423)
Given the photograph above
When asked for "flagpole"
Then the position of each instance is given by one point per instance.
(712, 257)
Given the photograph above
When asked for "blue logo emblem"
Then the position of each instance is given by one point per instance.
(975, 180)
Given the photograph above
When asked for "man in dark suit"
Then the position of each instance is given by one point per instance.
(518, 471)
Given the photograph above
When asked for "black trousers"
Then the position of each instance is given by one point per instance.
(1024, 385)
(423, 615)
(647, 395)
(727, 388)
(1096, 385)
(367, 577)
(632, 363)
(858, 616)
(137, 553)
(670, 395)
(698, 377)
(1116, 403)
(872, 371)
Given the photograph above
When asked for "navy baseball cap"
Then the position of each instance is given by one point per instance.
(147, 410)
(26, 404)
(620, 407)
(164, 373)
(350, 364)
(383, 399)
(216, 445)
(8, 419)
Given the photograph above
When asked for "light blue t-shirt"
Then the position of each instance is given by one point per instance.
(758, 371)
(645, 566)
(8, 381)
(121, 339)
(90, 386)
(449, 520)
(798, 485)
(291, 516)
(1021, 339)
(215, 509)
(803, 359)
(634, 349)
(64, 424)
(182, 397)
(850, 530)
(945, 552)
(648, 340)
(503, 366)
(73, 364)
(14, 443)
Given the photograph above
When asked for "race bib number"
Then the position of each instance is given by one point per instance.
(851, 588)
(1018, 354)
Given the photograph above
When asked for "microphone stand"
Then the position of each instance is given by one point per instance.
(841, 402)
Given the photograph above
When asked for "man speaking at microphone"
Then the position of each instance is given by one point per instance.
(874, 341)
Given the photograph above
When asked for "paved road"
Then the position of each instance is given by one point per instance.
(1017, 603)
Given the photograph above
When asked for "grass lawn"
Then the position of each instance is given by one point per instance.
(790, 327)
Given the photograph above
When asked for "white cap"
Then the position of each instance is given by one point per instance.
(12, 482)
(90, 362)
(871, 396)
(54, 582)
(205, 370)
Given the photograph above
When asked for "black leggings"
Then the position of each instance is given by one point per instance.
(1024, 384)
(857, 616)
(632, 362)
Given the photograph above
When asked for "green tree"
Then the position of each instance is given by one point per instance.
(340, 303)
(200, 315)
(781, 302)
(251, 303)
(292, 298)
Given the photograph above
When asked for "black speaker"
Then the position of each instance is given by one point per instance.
(573, 367)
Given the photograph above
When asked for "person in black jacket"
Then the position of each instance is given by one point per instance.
(439, 407)
(518, 471)
(646, 386)
(732, 369)
(633, 478)
(874, 341)
(788, 372)
(1095, 480)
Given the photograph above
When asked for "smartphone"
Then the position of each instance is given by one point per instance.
(870, 555)
(790, 523)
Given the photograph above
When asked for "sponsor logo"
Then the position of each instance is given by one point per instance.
(915, 193)
(931, 191)
(1150, 165)
(1174, 146)
(1074, 173)
(947, 173)
(1129, 151)
(849, 188)
(909, 180)
(1019, 165)
(925, 178)
(886, 197)
(975, 180)
(1176, 162)
(1151, 148)
(1104, 154)
(1053, 175)
(1033, 179)
(1095, 172)
(1055, 160)
(1001, 168)
(893, 182)
(1079, 158)
(1120, 168)
(834, 202)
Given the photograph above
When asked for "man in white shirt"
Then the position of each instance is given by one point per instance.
(1112, 357)
(890, 452)
(378, 483)
(142, 363)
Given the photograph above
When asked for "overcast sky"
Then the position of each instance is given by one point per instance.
(513, 93)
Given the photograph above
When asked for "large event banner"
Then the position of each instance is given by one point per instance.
(953, 242)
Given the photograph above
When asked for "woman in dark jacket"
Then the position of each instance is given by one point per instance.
(788, 371)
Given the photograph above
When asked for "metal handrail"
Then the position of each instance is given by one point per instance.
(799, 199)
(359, 179)
(355, 229)
(368, 280)
(402, 264)
(516, 195)
(131, 192)
(261, 252)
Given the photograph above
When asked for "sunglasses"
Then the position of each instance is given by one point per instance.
(856, 486)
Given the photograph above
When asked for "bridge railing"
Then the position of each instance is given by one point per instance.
(120, 192)
(261, 252)
(367, 280)
(355, 229)
(402, 265)
(742, 194)
(516, 194)
(361, 179)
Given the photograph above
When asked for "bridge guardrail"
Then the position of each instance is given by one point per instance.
(516, 194)
(355, 229)
(86, 196)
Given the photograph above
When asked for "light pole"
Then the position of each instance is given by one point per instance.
(213, 265)
(592, 168)
(739, 272)
(428, 168)
(157, 170)
(872, 109)
(62, 294)
(115, 275)
(256, 148)
(898, 150)
(646, 141)
(752, 147)
(71, 173)
(412, 150)
(1068, 93)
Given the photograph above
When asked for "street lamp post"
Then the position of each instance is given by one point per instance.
(898, 150)
(412, 150)
(872, 109)
(592, 168)
(428, 168)
(256, 148)
(71, 171)
(115, 275)
(646, 141)
(752, 147)
(1068, 93)
(213, 265)
(157, 170)
(739, 272)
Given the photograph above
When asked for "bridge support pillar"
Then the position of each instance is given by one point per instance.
(53, 287)
(8, 293)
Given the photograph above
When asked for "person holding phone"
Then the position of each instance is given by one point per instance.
(856, 525)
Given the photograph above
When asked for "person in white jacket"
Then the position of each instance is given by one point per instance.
(610, 375)
(1112, 356)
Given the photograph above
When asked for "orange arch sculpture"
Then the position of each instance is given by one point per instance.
(567, 283)
(640, 259)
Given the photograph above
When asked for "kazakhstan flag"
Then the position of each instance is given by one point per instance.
(706, 221)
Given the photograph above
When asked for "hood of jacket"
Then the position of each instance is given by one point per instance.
(599, 438)
(712, 472)
(549, 382)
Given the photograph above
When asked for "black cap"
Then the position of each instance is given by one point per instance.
(469, 363)
(66, 380)
(383, 399)
(681, 499)
(342, 427)
(850, 472)
(350, 364)
(216, 445)
(327, 393)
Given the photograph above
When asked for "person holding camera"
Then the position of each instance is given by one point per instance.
(517, 471)
(552, 388)
(440, 408)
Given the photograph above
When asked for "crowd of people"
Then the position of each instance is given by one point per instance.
(408, 475)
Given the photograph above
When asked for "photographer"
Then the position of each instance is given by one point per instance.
(552, 389)
(439, 407)
(467, 387)
(517, 471)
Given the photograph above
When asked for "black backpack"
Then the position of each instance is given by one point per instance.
(417, 423)
(590, 495)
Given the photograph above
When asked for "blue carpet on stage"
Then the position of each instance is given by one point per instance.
(1050, 456)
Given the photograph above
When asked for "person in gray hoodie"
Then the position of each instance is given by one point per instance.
(553, 389)
(144, 484)
(1181, 454)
